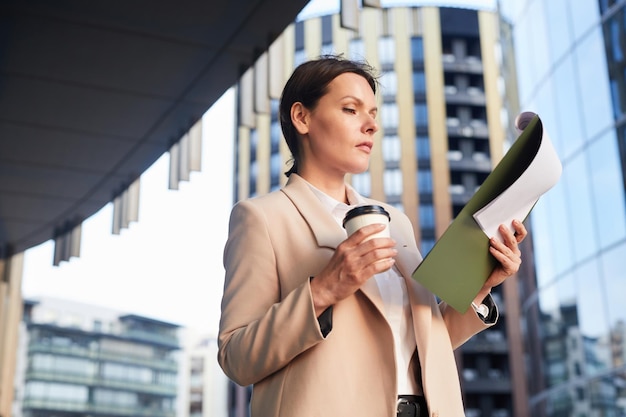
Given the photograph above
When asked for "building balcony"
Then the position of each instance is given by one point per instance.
(87, 409)
(165, 340)
(477, 129)
(495, 382)
(468, 64)
(153, 363)
(94, 380)
(475, 163)
(469, 96)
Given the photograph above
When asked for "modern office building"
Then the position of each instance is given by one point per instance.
(80, 360)
(445, 116)
(571, 62)
(207, 394)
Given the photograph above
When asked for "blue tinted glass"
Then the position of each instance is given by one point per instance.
(537, 40)
(585, 14)
(417, 49)
(560, 37)
(607, 189)
(576, 178)
(541, 237)
(593, 81)
(591, 317)
(419, 82)
(524, 57)
(421, 114)
(569, 114)
(560, 232)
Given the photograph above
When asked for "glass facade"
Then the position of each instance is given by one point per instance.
(571, 70)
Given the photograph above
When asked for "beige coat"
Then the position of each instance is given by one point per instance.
(270, 337)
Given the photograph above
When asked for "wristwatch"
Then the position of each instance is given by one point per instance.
(482, 310)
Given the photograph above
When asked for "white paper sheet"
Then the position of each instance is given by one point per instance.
(517, 201)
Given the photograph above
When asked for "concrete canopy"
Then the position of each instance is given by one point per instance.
(93, 92)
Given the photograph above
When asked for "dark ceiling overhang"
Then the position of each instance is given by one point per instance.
(93, 92)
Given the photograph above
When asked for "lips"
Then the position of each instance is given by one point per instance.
(366, 146)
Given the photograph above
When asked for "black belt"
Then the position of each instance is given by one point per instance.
(411, 406)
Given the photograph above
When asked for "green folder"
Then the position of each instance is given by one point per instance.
(458, 265)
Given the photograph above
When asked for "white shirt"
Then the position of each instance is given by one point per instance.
(393, 291)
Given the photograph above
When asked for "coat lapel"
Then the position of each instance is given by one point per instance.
(325, 229)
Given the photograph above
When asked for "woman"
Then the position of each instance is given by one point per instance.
(327, 325)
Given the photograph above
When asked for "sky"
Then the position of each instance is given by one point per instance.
(168, 265)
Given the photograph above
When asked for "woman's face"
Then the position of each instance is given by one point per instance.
(340, 130)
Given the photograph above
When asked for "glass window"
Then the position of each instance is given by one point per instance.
(569, 115)
(389, 115)
(560, 233)
(389, 83)
(386, 50)
(425, 181)
(356, 49)
(391, 148)
(419, 82)
(524, 56)
(422, 146)
(607, 189)
(541, 236)
(427, 216)
(420, 114)
(593, 81)
(427, 245)
(417, 49)
(576, 177)
(594, 329)
(538, 36)
(584, 15)
(560, 36)
(362, 183)
(392, 181)
(327, 29)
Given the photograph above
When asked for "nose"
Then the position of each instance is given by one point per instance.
(370, 126)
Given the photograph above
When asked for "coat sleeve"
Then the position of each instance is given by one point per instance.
(462, 327)
(261, 329)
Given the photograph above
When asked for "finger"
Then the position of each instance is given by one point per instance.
(366, 231)
(520, 231)
(507, 235)
(508, 264)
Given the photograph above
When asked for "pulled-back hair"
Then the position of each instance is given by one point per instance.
(307, 84)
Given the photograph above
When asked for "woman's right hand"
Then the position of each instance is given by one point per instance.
(355, 260)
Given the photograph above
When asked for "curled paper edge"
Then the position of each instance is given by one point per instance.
(523, 119)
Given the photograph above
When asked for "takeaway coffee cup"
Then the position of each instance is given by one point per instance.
(363, 215)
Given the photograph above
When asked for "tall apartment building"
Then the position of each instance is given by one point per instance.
(79, 360)
(572, 72)
(443, 126)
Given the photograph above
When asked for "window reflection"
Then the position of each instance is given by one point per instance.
(569, 116)
(593, 82)
(607, 189)
(576, 180)
(559, 27)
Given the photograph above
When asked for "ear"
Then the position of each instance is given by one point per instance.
(300, 118)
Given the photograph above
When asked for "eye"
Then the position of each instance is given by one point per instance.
(349, 110)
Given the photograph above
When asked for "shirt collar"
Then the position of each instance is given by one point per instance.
(338, 209)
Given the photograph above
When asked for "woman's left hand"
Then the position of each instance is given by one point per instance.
(508, 255)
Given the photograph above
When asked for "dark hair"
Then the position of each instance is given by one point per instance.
(307, 84)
